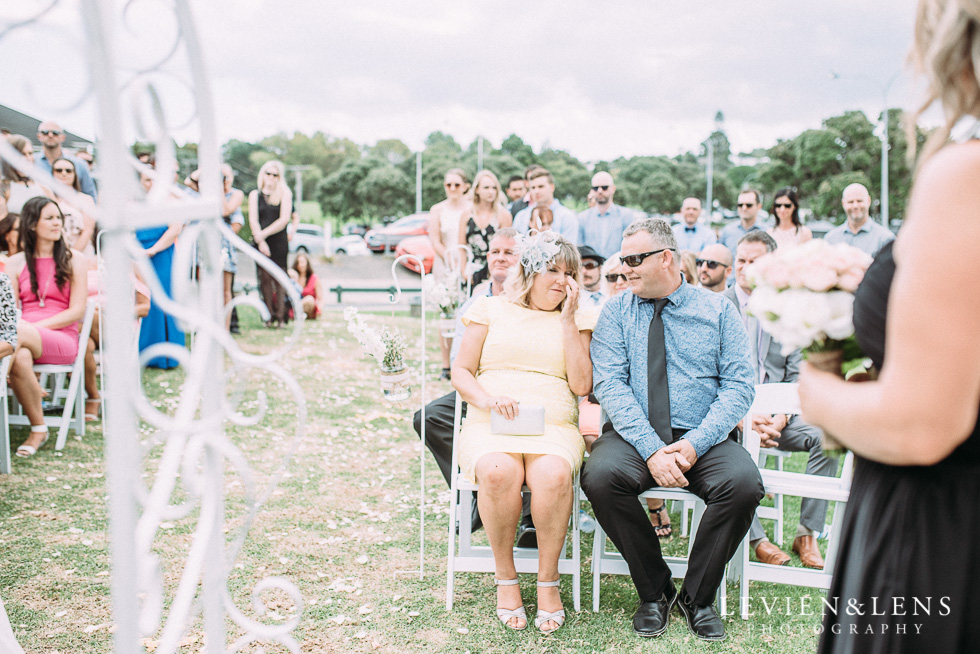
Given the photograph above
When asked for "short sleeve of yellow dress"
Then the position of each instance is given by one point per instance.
(523, 358)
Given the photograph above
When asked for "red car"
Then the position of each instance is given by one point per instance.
(421, 247)
(387, 238)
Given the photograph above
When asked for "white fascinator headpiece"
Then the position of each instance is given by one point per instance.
(538, 249)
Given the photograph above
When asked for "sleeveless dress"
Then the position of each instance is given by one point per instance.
(278, 242)
(158, 326)
(523, 358)
(58, 346)
(479, 241)
(910, 532)
(449, 233)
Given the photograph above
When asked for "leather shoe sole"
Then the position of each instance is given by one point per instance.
(527, 537)
(690, 616)
(663, 607)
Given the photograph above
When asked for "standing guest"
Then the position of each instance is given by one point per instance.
(486, 215)
(916, 430)
(270, 208)
(714, 267)
(51, 286)
(518, 205)
(508, 362)
(312, 290)
(158, 243)
(601, 226)
(231, 213)
(21, 187)
(79, 212)
(690, 234)
(516, 189)
(788, 231)
(749, 204)
(591, 295)
(859, 230)
(788, 433)
(51, 137)
(9, 237)
(542, 186)
(444, 233)
(672, 372)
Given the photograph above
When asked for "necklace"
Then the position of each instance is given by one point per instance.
(40, 297)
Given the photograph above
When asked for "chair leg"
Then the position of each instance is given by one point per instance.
(451, 559)
(598, 549)
(576, 549)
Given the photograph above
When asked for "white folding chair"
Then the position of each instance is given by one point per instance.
(784, 398)
(774, 512)
(464, 556)
(65, 383)
(5, 468)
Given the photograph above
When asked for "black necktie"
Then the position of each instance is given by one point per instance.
(658, 395)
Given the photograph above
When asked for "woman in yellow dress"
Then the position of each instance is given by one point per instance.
(526, 350)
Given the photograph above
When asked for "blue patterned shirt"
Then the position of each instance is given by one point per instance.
(604, 231)
(709, 372)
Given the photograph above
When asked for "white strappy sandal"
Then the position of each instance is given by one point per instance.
(543, 617)
(25, 451)
(506, 614)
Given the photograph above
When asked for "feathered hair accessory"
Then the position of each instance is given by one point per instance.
(538, 249)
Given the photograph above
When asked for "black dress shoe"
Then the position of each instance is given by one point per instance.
(651, 618)
(527, 536)
(703, 621)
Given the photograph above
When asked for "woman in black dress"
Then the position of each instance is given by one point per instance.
(270, 207)
(908, 576)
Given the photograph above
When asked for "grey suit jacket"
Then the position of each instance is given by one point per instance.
(779, 368)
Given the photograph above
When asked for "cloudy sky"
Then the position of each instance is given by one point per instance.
(599, 79)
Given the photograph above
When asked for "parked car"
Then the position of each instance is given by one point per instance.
(421, 247)
(350, 245)
(308, 239)
(386, 238)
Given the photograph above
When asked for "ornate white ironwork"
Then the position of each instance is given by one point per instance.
(194, 451)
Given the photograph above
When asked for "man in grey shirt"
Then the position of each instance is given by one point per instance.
(859, 230)
(701, 364)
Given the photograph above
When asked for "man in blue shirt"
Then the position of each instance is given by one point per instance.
(859, 230)
(690, 234)
(51, 137)
(704, 358)
(601, 226)
(542, 189)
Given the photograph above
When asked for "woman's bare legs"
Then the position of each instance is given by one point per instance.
(501, 477)
(91, 379)
(24, 382)
(309, 307)
(228, 277)
(550, 480)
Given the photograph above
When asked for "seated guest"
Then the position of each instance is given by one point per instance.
(714, 267)
(511, 361)
(788, 433)
(672, 372)
(311, 290)
(592, 295)
(51, 285)
(9, 237)
(542, 218)
(21, 187)
(614, 276)
(689, 266)
(79, 212)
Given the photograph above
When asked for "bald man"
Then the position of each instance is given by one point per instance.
(714, 267)
(51, 137)
(690, 234)
(601, 226)
(859, 230)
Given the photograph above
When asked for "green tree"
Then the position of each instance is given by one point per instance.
(394, 151)
(515, 147)
(386, 190)
(826, 202)
(338, 193)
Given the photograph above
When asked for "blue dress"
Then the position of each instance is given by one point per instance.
(158, 326)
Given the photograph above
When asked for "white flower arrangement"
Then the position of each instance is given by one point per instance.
(537, 250)
(804, 296)
(386, 346)
(445, 294)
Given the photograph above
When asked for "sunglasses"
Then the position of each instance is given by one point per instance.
(64, 170)
(709, 263)
(612, 278)
(452, 185)
(780, 205)
(746, 204)
(634, 260)
(49, 132)
(604, 187)
(590, 265)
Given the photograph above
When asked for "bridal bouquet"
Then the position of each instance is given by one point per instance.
(804, 296)
(386, 346)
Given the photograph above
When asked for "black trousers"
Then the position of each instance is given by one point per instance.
(725, 478)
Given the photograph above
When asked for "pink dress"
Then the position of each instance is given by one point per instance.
(58, 346)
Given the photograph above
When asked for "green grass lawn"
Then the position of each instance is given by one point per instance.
(341, 525)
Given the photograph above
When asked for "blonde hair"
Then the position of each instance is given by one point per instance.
(946, 50)
(281, 190)
(19, 143)
(518, 285)
(459, 172)
(496, 185)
